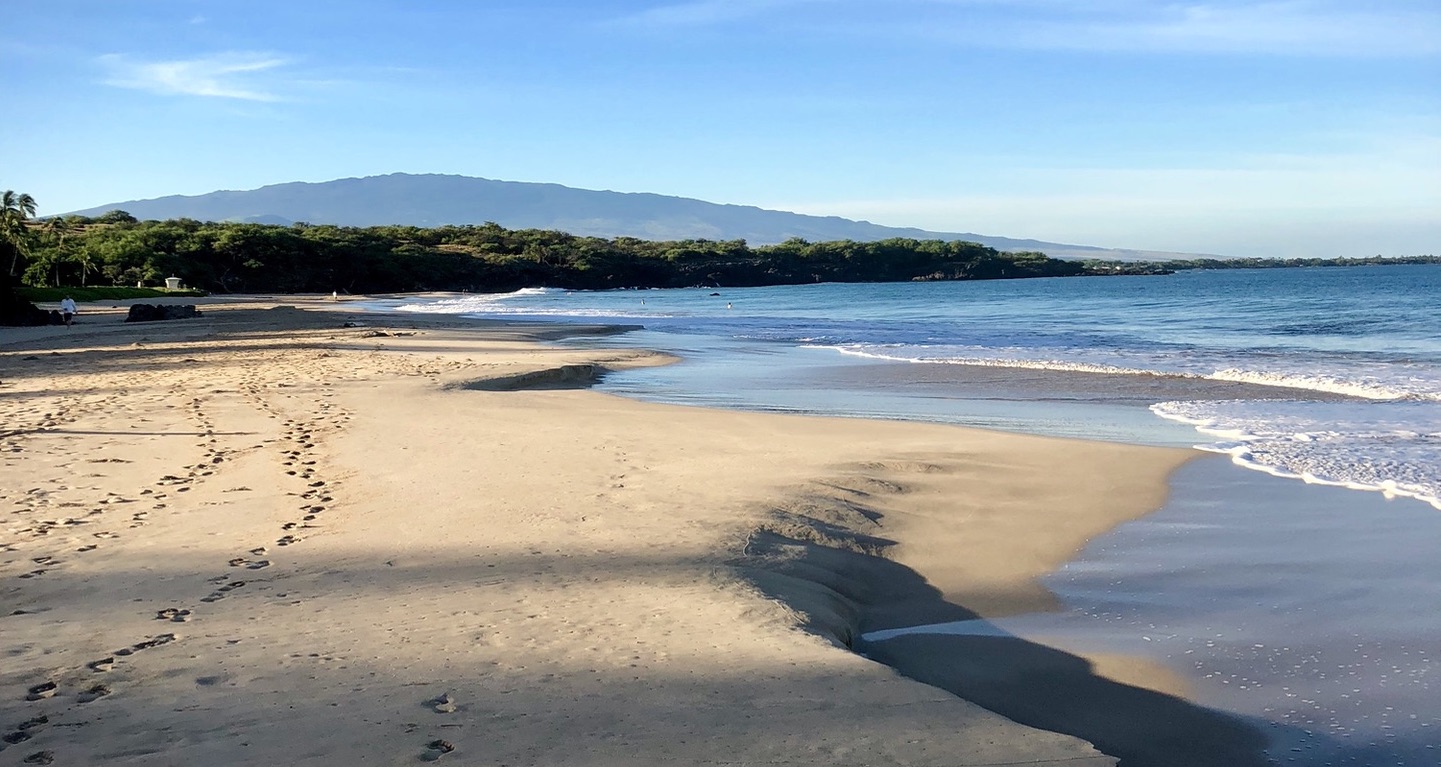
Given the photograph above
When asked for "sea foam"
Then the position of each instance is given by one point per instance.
(1358, 383)
(1388, 447)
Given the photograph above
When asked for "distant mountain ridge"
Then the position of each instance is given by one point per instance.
(435, 200)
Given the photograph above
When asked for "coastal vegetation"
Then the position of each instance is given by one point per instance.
(38, 294)
(115, 250)
(227, 257)
(1184, 264)
(15, 211)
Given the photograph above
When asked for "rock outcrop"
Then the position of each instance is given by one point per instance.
(156, 312)
(16, 311)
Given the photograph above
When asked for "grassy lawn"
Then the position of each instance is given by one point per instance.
(38, 295)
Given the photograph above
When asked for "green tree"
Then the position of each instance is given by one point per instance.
(115, 217)
(14, 210)
(57, 227)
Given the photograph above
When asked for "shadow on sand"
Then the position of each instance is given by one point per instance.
(845, 588)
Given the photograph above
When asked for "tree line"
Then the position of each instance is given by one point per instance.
(115, 249)
(229, 257)
(1271, 263)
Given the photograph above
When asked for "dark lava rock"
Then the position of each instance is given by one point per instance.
(157, 312)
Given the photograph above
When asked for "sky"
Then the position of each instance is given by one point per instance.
(1238, 127)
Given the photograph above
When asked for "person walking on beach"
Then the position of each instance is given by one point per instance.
(67, 310)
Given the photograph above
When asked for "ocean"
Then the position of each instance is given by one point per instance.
(1315, 574)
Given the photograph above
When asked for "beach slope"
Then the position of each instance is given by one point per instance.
(264, 537)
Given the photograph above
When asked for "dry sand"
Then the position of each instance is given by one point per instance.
(260, 537)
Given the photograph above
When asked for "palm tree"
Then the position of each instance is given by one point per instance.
(59, 227)
(14, 210)
(20, 203)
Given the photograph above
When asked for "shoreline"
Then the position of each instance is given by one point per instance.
(604, 540)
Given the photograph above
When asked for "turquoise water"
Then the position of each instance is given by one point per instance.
(1313, 609)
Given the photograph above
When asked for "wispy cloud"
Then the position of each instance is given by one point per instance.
(243, 76)
(1289, 26)
(1310, 27)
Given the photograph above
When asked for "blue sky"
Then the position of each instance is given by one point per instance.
(1242, 127)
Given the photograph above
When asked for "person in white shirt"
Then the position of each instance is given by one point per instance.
(68, 310)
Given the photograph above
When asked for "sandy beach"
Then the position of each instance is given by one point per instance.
(282, 533)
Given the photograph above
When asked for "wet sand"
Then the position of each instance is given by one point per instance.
(1296, 606)
(1095, 406)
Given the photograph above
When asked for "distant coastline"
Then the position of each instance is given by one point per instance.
(227, 257)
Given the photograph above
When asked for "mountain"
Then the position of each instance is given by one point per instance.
(434, 200)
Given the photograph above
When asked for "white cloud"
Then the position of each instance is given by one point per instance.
(224, 75)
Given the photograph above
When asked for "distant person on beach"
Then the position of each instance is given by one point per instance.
(68, 310)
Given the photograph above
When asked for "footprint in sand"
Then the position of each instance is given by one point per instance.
(40, 757)
(93, 692)
(445, 704)
(41, 691)
(436, 749)
(25, 730)
(219, 594)
(155, 641)
(102, 665)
